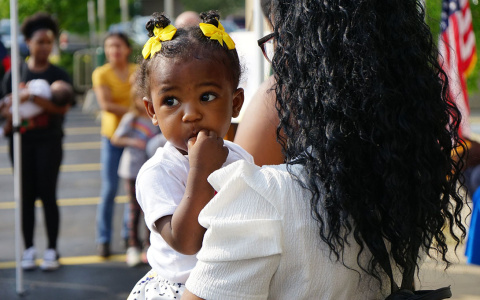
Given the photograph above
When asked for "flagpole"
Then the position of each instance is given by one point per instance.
(17, 159)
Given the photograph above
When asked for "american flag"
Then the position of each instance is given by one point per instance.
(458, 51)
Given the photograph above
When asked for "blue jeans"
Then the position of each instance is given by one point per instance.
(110, 159)
(472, 179)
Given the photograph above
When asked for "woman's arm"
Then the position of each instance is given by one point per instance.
(257, 131)
(104, 98)
(47, 105)
(125, 141)
(189, 296)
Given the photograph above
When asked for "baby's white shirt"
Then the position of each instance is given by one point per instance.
(160, 187)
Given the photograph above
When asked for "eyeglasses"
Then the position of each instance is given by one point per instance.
(266, 44)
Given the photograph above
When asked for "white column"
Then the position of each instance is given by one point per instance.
(91, 22)
(168, 8)
(101, 17)
(17, 158)
(124, 10)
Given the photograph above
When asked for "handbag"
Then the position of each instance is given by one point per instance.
(406, 290)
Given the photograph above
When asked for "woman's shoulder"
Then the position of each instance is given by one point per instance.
(102, 74)
(60, 73)
(274, 174)
(270, 183)
(103, 68)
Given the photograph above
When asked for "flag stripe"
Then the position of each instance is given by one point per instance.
(458, 54)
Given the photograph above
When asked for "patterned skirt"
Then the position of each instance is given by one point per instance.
(153, 287)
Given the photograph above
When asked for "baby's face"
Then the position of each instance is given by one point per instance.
(188, 96)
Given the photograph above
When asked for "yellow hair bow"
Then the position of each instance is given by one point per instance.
(153, 45)
(217, 33)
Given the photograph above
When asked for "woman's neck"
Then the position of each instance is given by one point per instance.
(36, 65)
(120, 66)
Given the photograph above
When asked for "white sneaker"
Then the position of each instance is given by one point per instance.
(28, 259)
(50, 260)
(133, 256)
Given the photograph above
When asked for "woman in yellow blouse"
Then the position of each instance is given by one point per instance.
(112, 84)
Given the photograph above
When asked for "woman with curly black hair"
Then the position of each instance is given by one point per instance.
(368, 132)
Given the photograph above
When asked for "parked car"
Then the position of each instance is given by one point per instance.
(139, 32)
(7, 39)
(123, 27)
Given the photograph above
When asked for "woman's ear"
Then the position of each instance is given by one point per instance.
(237, 102)
(150, 110)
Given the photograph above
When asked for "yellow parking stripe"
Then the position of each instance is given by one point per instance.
(68, 202)
(63, 168)
(74, 260)
(82, 130)
(82, 146)
(80, 167)
(69, 146)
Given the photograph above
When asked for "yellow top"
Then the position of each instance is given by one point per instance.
(120, 91)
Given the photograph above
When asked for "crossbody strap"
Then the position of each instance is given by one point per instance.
(381, 254)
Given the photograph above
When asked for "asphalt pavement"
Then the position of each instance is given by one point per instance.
(84, 275)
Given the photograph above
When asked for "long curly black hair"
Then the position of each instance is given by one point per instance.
(188, 43)
(363, 105)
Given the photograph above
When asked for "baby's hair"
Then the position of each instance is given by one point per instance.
(62, 92)
(119, 35)
(40, 20)
(188, 43)
(136, 93)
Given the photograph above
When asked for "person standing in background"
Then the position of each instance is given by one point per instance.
(41, 138)
(111, 84)
(187, 18)
(134, 132)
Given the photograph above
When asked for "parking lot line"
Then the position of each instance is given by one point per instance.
(68, 202)
(63, 168)
(74, 260)
(69, 146)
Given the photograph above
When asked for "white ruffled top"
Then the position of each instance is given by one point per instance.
(263, 243)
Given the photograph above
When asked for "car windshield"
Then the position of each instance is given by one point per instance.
(5, 27)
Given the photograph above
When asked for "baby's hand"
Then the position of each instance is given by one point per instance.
(206, 151)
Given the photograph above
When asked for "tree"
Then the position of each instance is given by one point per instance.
(71, 15)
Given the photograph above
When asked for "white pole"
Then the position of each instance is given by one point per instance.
(91, 22)
(124, 10)
(258, 27)
(101, 17)
(168, 8)
(17, 158)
